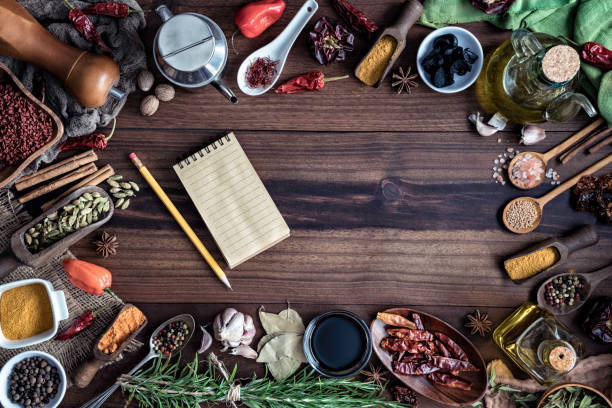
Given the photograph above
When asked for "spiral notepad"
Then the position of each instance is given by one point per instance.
(232, 200)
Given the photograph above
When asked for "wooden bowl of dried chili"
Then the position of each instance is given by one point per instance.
(26, 133)
(430, 356)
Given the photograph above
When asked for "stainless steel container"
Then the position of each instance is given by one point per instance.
(190, 50)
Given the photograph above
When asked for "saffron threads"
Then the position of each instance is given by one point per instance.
(261, 72)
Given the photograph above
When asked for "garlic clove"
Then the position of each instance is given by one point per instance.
(244, 351)
(482, 128)
(206, 340)
(248, 330)
(532, 134)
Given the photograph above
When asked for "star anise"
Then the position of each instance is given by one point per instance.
(405, 81)
(479, 323)
(375, 375)
(107, 245)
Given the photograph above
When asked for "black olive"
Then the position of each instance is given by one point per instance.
(469, 56)
(460, 67)
(445, 41)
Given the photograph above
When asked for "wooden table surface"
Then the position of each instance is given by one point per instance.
(322, 156)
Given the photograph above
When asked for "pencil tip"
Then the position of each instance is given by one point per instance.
(226, 283)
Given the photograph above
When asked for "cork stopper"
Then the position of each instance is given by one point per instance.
(560, 63)
(562, 358)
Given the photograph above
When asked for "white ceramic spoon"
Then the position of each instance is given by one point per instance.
(277, 49)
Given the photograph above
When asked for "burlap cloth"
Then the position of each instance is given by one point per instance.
(595, 371)
(121, 34)
(71, 353)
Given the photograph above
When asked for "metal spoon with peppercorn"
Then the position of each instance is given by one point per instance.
(182, 334)
(277, 51)
(567, 292)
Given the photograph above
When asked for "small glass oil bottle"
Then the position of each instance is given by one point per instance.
(538, 343)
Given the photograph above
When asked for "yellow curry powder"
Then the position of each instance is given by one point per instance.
(127, 323)
(374, 64)
(25, 311)
(531, 264)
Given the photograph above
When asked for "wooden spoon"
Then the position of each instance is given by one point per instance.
(545, 157)
(590, 280)
(540, 202)
(410, 13)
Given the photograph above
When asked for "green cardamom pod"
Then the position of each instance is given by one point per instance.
(88, 196)
(112, 183)
(120, 195)
(119, 202)
(31, 230)
(125, 186)
(35, 234)
(134, 186)
(75, 212)
(116, 177)
(83, 199)
(130, 193)
(72, 220)
(89, 218)
(106, 207)
(68, 207)
(125, 204)
(52, 216)
(75, 202)
(115, 190)
(28, 238)
(85, 211)
(53, 234)
(96, 194)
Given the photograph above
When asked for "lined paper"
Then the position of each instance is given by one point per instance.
(232, 200)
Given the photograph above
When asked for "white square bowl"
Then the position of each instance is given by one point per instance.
(7, 369)
(58, 308)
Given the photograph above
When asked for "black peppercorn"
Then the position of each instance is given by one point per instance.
(33, 382)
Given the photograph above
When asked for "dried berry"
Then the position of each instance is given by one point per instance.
(597, 319)
(330, 41)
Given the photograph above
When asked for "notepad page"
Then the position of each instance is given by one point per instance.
(232, 200)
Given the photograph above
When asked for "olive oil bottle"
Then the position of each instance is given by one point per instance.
(538, 343)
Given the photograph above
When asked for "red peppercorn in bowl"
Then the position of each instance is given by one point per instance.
(28, 128)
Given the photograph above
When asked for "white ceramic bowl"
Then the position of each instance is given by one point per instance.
(58, 307)
(7, 369)
(465, 39)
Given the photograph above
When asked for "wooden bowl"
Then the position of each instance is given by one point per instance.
(9, 173)
(577, 385)
(422, 385)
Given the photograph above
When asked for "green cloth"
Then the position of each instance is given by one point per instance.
(580, 20)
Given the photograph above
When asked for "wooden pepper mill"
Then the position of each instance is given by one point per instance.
(89, 77)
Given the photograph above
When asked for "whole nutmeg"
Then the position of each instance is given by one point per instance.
(145, 80)
(164, 92)
(149, 105)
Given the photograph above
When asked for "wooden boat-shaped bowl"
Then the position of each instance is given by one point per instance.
(9, 173)
(420, 384)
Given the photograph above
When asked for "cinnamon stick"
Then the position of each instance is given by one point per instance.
(93, 180)
(569, 155)
(67, 179)
(601, 144)
(56, 169)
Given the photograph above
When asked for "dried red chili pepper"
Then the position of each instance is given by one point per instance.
(355, 17)
(451, 381)
(442, 349)
(330, 41)
(453, 347)
(86, 28)
(597, 55)
(109, 8)
(597, 319)
(411, 334)
(255, 17)
(398, 345)
(452, 364)
(493, 6)
(395, 320)
(79, 324)
(94, 141)
(411, 368)
(312, 81)
(417, 321)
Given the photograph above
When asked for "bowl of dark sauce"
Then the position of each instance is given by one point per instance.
(337, 344)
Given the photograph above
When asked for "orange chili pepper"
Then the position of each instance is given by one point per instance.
(88, 277)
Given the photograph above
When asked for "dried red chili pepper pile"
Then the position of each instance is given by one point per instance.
(261, 72)
(312, 81)
(597, 55)
(355, 17)
(24, 127)
(417, 351)
(86, 28)
(109, 8)
(330, 41)
(96, 141)
(594, 194)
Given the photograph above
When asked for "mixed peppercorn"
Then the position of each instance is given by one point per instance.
(171, 338)
(564, 290)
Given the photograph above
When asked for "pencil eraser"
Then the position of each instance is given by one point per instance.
(132, 155)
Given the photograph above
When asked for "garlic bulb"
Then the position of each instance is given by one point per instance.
(532, 134)
(233, 328)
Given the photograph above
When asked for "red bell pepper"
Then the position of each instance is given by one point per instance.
(88, 277)
(255, 17)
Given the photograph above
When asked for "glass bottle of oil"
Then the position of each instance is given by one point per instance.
(538, 343)
(532, 77)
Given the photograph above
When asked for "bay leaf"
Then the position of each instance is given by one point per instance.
(291, 314)
(273, 323)
(266, 339)
(283, 368)
(284, 345)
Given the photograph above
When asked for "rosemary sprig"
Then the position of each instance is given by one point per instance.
(166, 385)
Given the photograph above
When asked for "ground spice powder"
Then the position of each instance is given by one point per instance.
(127, 323)
(531, 264)
(374, 64)
(25, 311)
